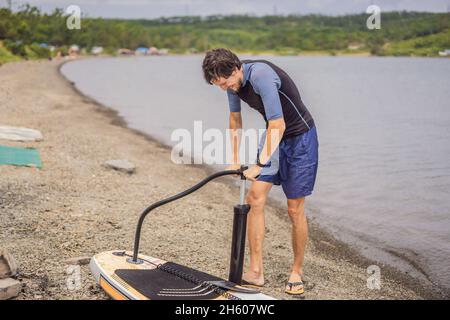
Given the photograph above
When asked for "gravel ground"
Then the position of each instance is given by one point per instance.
(76, 207)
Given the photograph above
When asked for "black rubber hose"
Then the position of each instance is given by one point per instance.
(173, 198)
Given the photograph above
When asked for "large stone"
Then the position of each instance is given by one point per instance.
(121, 165)
(78, 261)
(19, 134)
(8, 265)
(9, 288)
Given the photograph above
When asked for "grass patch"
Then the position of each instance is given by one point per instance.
(6, 56)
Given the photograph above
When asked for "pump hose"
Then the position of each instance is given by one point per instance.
(173, 198)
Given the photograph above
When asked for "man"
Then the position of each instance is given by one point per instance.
(290, 146)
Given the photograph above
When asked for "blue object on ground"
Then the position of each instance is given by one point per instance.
(27, 157)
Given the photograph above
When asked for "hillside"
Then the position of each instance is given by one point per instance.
(401, 33)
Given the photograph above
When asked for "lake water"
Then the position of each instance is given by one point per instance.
(384, 129)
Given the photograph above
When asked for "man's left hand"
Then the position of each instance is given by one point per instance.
(253, 172)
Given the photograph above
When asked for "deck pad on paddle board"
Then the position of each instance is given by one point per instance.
(156, 279)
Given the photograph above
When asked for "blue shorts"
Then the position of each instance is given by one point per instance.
(294, 165)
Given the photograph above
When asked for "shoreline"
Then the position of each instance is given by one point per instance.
(333, 270)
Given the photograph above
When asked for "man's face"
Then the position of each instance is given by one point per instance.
(233, 82)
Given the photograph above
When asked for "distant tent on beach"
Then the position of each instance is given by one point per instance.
(142, 51)
(27, 157)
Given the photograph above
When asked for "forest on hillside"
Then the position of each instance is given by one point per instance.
(401, 33)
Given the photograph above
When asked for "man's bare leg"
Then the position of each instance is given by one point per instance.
(256, 198)
(296, 211)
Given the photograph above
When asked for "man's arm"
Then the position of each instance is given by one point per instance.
(235, 129)
(274, 134)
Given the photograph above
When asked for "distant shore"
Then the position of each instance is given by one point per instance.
(322, 53)
(76, 207)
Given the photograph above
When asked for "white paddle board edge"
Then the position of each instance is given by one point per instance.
(104, 265)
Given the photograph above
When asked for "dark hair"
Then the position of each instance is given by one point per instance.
(219, 63)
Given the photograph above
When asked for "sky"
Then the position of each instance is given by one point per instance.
(134, 9)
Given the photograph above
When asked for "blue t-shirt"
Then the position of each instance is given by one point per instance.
(266, 84)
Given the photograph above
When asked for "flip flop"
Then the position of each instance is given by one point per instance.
(245, 283)
(298, 291)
